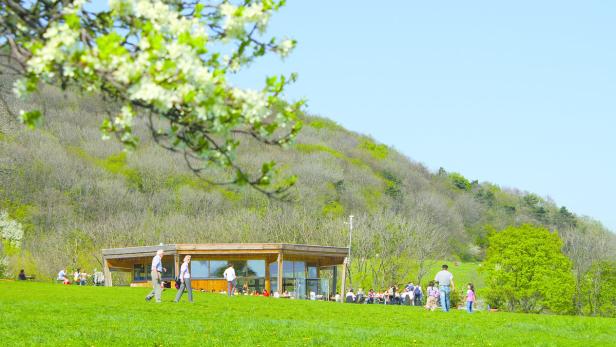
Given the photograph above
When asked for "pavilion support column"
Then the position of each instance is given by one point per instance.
(107, 273)
(332, 290)
(268, 283)
(280, 273)
(176, 261)
(343, 285)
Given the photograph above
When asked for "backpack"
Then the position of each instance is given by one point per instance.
(178, 282)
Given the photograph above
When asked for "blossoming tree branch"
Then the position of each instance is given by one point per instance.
(166, 61)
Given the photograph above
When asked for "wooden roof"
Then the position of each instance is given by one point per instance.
(227, 248)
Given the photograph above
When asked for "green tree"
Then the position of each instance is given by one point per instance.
(600, 289)
(527, 271)
(165, 61)
(459, 181)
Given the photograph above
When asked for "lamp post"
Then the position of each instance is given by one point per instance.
(347, 262)
(350, 235)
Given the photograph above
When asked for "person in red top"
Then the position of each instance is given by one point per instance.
(265, 292)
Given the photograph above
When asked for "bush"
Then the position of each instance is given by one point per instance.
(527, 271)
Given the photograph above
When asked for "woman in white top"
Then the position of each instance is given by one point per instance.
(184, 280)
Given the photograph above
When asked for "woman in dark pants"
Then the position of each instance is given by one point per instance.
(184, 280)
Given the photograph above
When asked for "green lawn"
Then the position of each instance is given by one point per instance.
(46, 314)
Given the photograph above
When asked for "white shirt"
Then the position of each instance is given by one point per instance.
(61, 275)
(444, 278)
(157, 264)
(184, 272)
(229, 274)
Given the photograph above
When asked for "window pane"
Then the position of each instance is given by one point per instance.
(287, 268)
(199, 268)
(170, 267)
(255, 268)
(139, 272)
(312, 271)
(299, 269)
(312, 286)
(240, 267)
(288, 285)
(217, 267)
(274, 284)
(273, 270)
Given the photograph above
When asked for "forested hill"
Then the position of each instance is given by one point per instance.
(75, 194)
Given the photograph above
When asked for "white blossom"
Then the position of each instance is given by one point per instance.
(11, 230)
(125, 118)
(285, 47)
(20, 88)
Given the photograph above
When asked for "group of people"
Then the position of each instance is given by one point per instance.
(183, 282)
(438, 293)
(81, 277)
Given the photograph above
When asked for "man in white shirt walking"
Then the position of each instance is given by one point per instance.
(184, 281)
(446, 286)
(229, 275)
(157, 271)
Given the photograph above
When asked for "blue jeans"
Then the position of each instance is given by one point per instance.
(231, 287)
(469, 306)
(445, 302)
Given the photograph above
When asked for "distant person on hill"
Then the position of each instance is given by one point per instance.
(229, 275)
(265, 292)
(446, 286)
(157, 270)
(99, 278)
(22, 275)
(83, 278)
(417, 295)
(185, 281)
(371, 295)
(470, 297)
(77, 277)
(62, 277)
(433, 294)
(350, 296)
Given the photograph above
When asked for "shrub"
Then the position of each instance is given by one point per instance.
(527, 271)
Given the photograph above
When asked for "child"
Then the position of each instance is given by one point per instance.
(433, 295)
(470, 298)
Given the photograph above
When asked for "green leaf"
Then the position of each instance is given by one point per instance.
(31, 119)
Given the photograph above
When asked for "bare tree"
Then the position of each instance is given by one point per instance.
(585, 245)
(428, 242)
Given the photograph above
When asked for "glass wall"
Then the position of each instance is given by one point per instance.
(142, 272)
(139, 273)
(250, 273)
(299, 279)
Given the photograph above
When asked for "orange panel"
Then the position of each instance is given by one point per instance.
(210, 285)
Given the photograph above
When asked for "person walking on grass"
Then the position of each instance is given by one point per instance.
(157, 270)
(229, 275)
(184, 281)
(446, 286)
(433, 294)
(470, 298)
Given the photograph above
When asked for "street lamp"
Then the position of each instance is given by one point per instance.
(350, 235)
(348, 259)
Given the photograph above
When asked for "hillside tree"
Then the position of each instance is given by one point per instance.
(165, 62)
(586, 245)
(527, 271)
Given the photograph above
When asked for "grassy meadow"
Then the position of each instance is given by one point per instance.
(49, 314)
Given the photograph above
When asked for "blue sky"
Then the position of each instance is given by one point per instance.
(521, 94)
